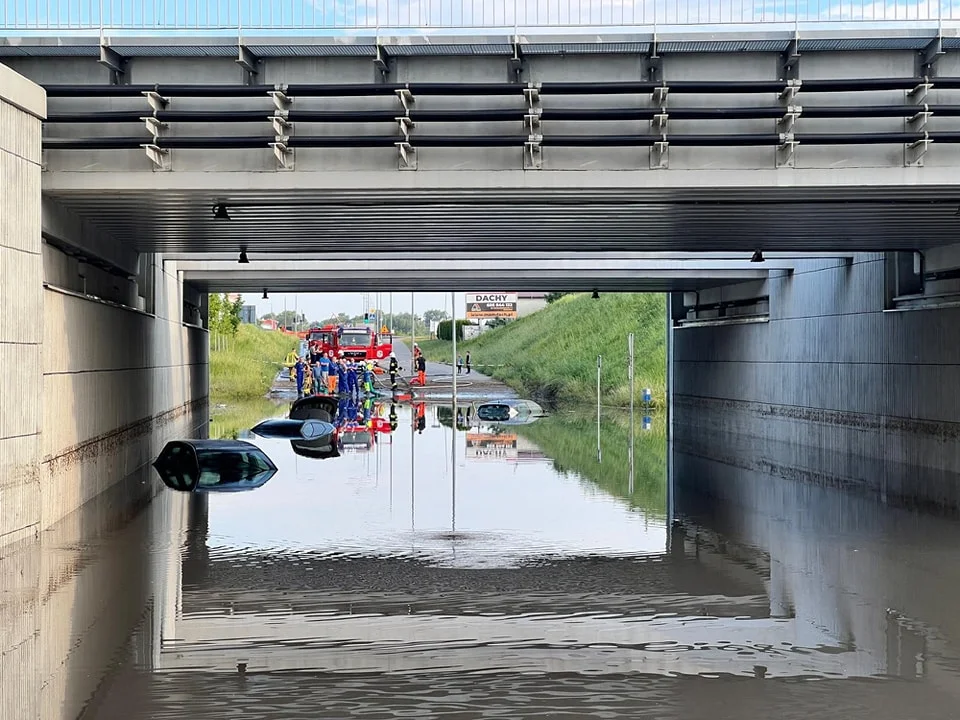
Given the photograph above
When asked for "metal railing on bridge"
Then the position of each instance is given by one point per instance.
(293, 17)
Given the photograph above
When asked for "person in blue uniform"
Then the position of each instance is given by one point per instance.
(300, 369)
(352, 379)
(342, 377)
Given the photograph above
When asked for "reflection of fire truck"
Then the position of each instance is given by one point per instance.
(355, 343)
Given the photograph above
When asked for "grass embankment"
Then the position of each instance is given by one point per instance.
(228, 421)
(248, 365)
(552, 354)
(571, 440)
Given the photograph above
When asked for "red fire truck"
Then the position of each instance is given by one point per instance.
(355, 343)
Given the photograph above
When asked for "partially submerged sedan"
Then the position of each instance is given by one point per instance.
(509, 412)
(213, 466)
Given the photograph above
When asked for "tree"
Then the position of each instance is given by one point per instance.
(431, 316)
(223, 316)
(554, 296)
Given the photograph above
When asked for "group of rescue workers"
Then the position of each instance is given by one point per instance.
(319, 374)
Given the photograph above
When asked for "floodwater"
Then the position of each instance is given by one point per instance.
(512, 572)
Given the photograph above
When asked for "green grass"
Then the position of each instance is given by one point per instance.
(552, 354)
(570, 439)
(248, 365)
(228, 421)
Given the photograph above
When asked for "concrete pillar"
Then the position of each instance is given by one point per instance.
(22, 107)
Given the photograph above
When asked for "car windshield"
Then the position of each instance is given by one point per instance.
(230, 467)
(355, 338)
(493, 412)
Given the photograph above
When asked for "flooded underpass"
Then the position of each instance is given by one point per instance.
(443, 567)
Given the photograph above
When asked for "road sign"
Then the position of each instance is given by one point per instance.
(491, 305)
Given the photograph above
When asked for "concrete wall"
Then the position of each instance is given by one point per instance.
(22, 105)
(833, 372)
(117, 384)
(91, 386)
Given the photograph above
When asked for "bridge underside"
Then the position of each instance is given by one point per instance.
(432, 214)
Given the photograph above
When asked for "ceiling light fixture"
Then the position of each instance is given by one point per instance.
(757, 256)
(220, 212)
(244, 260)
(265, 294)
(596, 295)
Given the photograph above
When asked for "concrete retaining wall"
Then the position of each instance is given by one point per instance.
(117, 384)
(22, 106)
(89, 388)
(834, 371)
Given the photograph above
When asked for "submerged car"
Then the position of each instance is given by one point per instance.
(294, 429)
(213, 466)
(509, 412)
(317, 408)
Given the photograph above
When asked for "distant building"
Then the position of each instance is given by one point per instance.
(248, 314)
(528, 303)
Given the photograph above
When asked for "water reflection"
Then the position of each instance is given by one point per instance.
(542, 584)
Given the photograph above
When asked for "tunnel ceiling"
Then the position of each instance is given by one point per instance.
(440, 219)
(255, 282)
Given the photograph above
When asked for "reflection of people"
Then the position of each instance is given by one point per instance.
(393, 417)
(468, 362)
(421, 417)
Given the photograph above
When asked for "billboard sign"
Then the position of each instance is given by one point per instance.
(491, 305)
(483, 446)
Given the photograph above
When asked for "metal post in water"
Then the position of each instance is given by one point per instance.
(630, 373)
(453, 441)
(413, 464)
(453, 329)
(599, 365)
(413, 329)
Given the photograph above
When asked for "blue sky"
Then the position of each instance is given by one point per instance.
(313, 15)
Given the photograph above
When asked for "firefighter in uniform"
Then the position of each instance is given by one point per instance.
(394, 369)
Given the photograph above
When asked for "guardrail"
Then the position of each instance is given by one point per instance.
(293, 17)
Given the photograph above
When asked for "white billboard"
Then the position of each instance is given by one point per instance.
(491, 305)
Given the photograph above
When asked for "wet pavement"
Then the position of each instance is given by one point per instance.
(488, 573)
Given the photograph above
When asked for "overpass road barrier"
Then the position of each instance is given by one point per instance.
(295, 16)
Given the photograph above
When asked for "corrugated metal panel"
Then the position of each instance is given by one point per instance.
(49, 51)
(600, 48)
(320, 50)
(422, 49)
(723, 46)
(176, 50)
(859, 44)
